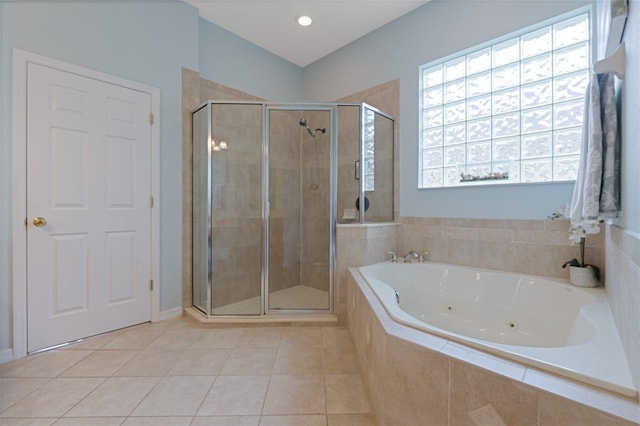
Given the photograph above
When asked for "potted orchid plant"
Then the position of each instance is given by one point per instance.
(581, 273)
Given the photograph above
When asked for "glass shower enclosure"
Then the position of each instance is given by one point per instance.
(265, 202)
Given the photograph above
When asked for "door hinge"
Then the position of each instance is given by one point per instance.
(26, 221)
(151, 118)
(151, 285)
(151, 201)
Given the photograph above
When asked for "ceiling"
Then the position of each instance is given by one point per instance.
(271, 24)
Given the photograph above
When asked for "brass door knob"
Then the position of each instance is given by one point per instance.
(39, 221)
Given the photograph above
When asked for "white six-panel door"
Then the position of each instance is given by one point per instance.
(89, 178)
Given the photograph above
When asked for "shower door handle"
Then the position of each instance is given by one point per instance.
(356, 167)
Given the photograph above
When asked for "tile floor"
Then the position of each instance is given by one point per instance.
(178, 372)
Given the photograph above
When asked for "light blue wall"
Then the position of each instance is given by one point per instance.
(630, 125)
(435, 30)
(148, 42)
(237, 63)
(144, 42)
(5, 200)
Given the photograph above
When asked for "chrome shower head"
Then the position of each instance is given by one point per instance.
(304, 124)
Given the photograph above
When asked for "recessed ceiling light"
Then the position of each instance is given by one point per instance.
(304, 20)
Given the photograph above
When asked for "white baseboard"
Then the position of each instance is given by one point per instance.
(6, 355)
(170, 314)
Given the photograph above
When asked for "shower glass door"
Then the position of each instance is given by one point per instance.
(299, 243)
(235, 153)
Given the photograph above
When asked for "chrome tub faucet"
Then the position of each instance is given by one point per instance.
(411, 255)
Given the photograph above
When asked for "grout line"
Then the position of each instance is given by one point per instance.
(92, 351)
(324, 389)
(264, 400)
(206, 394)
(159, 378)
(24, 396)
(449, 395)
(104, 379)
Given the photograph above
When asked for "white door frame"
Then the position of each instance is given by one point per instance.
(19, 184)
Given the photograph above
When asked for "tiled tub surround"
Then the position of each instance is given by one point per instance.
(623, 290)
(359, 245)
(543, 323)
(537, 247)
(417, 378)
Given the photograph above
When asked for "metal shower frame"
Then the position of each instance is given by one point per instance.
(332, 108)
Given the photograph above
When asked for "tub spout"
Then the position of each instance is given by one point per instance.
(411, 255)
(394, 256)
(423, 256)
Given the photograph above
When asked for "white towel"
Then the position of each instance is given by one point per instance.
(597, 187)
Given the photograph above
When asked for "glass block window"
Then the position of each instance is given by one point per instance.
(369, 149)
(509, 111)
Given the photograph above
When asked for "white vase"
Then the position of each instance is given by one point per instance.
(582, 277)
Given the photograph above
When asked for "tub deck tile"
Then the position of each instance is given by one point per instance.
(484, 360)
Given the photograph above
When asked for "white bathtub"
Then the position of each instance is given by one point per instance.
(545, 323)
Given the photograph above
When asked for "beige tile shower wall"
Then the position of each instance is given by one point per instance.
(195, 91)
(381, 206)
(210, 90)
(284, 183)
(411, 381)
(348, 154)
(199, 220)
(623, 290)
(537, 247)
(190, 101)
(236, 193)
(315, 224)
(385, 97)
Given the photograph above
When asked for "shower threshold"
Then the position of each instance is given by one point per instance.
(298, 298)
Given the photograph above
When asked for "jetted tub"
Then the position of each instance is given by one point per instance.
(538, 321)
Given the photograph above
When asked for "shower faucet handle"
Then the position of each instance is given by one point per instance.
(423, 255)
(394, 256)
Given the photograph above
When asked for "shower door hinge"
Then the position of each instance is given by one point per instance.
(151, 118)
(151, 202)
(151, 285)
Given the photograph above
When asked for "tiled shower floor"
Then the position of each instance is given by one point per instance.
(297, 297)
(178, 372)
